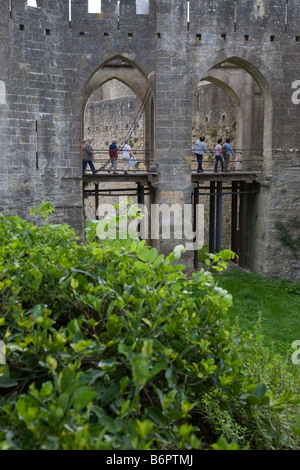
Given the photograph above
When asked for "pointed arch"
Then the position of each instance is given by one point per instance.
(259, 76)
(127, 72)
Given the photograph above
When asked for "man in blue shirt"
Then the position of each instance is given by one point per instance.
(199, 149)
(227, 150)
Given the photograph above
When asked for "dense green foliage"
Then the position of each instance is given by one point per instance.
(109, 346)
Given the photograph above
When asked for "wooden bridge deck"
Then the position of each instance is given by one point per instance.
(144, 177)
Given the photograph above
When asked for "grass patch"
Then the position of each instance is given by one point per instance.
(275, 303)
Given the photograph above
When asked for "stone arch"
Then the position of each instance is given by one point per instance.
(210, 77)
(129, 74)
(124, 70)
(259, 72)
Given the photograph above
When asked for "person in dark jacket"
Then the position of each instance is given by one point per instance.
(227, 151)
(113, 153)
(88, 156)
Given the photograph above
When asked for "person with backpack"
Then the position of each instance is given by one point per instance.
(199, 149)
(113, 153)
(227, 151)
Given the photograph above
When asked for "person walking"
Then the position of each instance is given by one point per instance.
(218, 156)
(227, 151)
(113, 153)
(82, 147)
(126, 154)
(88, 157)
(199, 149)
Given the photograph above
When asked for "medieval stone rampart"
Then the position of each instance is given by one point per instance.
(49, 62)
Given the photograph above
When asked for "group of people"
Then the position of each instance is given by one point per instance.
(87, 153)
(222, 154)
(127, 156)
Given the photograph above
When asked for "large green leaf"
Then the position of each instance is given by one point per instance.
(6, 382)
(260, 390)
(140, 370)
(156, 415)
(82, 397)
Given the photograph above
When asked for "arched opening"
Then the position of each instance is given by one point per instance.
(109, 114)
(118, 105)
(253, 90)
(233, 107)
(234, 101)
(123, 74)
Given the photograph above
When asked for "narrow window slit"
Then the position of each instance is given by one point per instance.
(118, 13)
(70, 14)
(286, 16)
(235, 16)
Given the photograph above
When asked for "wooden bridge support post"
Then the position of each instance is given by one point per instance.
(242, 225)
(212, 204)
(219, 217)
(141, 203)
(234, 217)
(96, 200)
(195, 222)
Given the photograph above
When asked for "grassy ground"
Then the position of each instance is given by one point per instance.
(271, 308)
(276, 302)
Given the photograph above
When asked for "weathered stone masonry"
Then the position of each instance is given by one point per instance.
(48, 68)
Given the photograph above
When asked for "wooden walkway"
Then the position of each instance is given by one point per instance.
(144, 177)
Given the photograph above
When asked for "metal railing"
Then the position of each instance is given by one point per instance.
(244, 160)
(102, 161)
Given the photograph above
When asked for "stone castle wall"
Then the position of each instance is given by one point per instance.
(49, 61)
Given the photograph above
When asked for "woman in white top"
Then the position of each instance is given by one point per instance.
(126, 154)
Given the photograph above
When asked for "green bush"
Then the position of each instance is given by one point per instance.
(109, 346)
